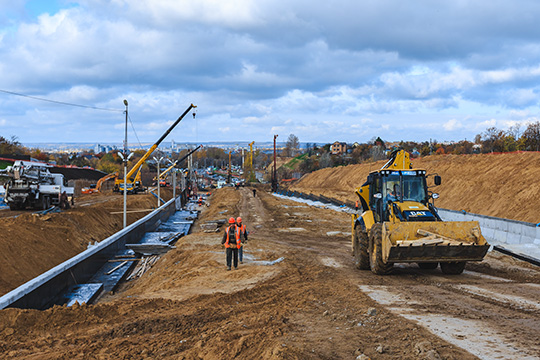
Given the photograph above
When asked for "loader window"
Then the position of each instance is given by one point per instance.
(413, 189)
(391, 188)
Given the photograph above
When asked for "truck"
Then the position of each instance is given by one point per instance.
(399, 223)
(32, 185)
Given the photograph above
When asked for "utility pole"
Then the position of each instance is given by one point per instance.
(229, 176)
(274, 178)
(125, 166)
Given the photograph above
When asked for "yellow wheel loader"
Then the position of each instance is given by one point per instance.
(400, 224)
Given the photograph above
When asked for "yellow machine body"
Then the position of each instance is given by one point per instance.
(409, 229)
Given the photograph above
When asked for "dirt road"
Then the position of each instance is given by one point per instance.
(297, 296)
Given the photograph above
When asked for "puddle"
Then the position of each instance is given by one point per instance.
(268, 263)
(484, 276)
(292, 229)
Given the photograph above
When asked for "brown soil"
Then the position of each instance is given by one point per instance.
(31, 244)
(312, 305)
(501, 185)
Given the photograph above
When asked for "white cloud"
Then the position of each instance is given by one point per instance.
(270, 66)
(452, 124)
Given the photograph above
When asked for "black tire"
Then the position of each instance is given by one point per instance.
(378, 266)
(453, 268)
(42, 202)
(360, 249)
(428, 266)
(13, 206)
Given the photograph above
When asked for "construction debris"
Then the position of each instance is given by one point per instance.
(145, 264)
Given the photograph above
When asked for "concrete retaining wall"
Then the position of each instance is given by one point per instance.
(40, 291)
(498, 231)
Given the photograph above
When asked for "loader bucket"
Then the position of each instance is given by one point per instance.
(435, 241)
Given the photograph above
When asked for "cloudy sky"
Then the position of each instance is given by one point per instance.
(342, 70)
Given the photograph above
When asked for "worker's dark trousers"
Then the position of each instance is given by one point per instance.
(241, 253)
(230, 254)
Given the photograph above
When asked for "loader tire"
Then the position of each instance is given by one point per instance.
(361, 248)
(378, 266)
(428, 266)
(453, 268)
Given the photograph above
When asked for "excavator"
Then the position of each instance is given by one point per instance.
(99, 184)
(400, 224)
(134, 183)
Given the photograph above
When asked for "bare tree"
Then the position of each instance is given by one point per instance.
(292, 145)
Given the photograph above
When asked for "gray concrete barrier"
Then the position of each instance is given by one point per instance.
(497, 230)
(40, 291)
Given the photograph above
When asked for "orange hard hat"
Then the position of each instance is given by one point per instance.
(231, 220)
(239, 219)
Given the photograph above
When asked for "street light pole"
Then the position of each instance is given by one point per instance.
(158, 195)
(174, 183)
(274, 178)
(125, 166)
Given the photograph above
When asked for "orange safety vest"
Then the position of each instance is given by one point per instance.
(241, 230)
(237, 236)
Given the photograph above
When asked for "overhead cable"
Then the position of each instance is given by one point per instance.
(60, 102)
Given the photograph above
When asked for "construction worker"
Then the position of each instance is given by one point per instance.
(242, 231)
(64, 201)
(231, 240)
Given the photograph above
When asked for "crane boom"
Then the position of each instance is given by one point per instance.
(154, 147)
(162, 175)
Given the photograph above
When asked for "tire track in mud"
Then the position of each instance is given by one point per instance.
(491, 315)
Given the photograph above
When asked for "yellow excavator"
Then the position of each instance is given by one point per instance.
(400, 224)
(134, 183)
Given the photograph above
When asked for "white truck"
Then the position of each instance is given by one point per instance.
(32, 185)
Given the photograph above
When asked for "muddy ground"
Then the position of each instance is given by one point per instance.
(296, 296)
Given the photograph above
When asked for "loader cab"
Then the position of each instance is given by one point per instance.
(393, 186)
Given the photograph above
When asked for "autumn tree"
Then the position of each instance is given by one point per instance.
(531, 136)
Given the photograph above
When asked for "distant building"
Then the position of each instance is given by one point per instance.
(338, 148)
(103, 149)
(355, 144)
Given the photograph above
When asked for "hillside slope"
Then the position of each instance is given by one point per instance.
(502, 185)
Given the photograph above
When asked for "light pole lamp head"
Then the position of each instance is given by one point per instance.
(125, 102)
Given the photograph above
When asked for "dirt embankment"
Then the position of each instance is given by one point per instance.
(502, 185)
(31, 244)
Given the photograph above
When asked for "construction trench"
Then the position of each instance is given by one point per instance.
(297, 296)
(100, 269)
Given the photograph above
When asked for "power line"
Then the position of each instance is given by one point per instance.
(60, 102)
(133, 127)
